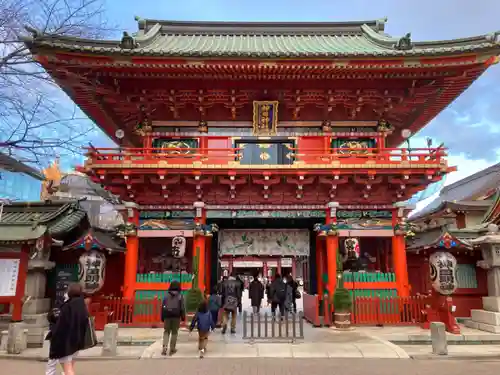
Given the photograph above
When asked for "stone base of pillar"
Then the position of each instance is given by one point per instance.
(35, 324)
(16, 338)
(487, 319)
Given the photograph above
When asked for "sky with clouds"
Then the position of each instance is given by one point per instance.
(470, 127)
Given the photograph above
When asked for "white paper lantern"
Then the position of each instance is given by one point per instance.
(443, 272)
(178, 247)
(92, 271)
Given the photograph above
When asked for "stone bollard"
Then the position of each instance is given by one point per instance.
(16, 338)
(438, 338)
(110, 340)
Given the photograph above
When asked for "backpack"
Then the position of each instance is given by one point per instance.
(171, 306)
(231, 303)
(204, 321)
(214, 302)
(231, 300)
(280, 292)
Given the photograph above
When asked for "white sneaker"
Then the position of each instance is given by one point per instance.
(202, 353)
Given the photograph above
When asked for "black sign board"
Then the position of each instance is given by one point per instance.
(64, 277)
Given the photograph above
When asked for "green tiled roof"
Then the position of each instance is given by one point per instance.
(26, 221)
(263, 40)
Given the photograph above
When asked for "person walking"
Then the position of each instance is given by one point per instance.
(294, 294)
(214, 305)
(68, 331)
(220, 283)
(231, 295)
(242, 289)
(277, 293)
(256, 294)
(204, 323)
(172, 312)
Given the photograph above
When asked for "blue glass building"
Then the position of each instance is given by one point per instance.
(19, 181)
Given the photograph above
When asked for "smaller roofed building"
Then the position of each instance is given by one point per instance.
(29, 233)
(450, 223)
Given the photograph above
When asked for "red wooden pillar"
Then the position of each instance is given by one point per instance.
(208, 268)
(399, 261)
(320, 270)
(264, 270)
(332, 244)
(199, 245)
(148, 143)
(279, 267)
(294, 268)
(17, 310)
(132, 254)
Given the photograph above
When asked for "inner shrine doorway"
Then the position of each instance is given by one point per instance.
(271, 246)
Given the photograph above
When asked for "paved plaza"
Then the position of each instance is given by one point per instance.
(263, 366)
(321, 343)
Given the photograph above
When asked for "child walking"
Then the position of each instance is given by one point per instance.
(204, 322)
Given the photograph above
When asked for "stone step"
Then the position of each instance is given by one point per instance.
(486, 317)
(491, 304)
(482, 326)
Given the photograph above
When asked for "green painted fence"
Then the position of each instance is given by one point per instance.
(369, 277)
(163, 277)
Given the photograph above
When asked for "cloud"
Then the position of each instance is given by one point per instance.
(471, 124)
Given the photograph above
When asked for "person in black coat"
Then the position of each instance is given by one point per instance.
(256, 293)
(67, 336)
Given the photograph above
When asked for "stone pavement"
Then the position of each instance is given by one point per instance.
(264, 366)
(362, 342)
(318, 343)
(454, 352)
(416, 335)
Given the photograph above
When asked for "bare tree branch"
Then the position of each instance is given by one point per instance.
(36, 121)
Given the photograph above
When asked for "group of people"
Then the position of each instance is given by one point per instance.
(281, 293)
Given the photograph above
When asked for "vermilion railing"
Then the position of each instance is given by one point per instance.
(311, 308)
(388, 311)
(429, 156)
(126, 312)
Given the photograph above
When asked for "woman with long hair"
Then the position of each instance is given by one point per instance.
(67, 335)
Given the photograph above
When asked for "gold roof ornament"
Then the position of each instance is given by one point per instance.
(52, 180)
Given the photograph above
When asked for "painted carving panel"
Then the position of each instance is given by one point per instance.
(281, 242)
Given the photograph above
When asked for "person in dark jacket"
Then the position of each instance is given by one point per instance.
(172, 312)
(294, 286)
(204, 322)
(256, 294)
(219, 285)
(277, 293)
(231, 295)
(67, 335)
(242, 288)
(214, 305)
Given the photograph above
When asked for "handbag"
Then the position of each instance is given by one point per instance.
(90, 339)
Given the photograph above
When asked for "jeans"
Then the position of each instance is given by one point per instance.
(280, 305)
(225, 319)
(170, 331)
(215, 316)
(51, 368)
